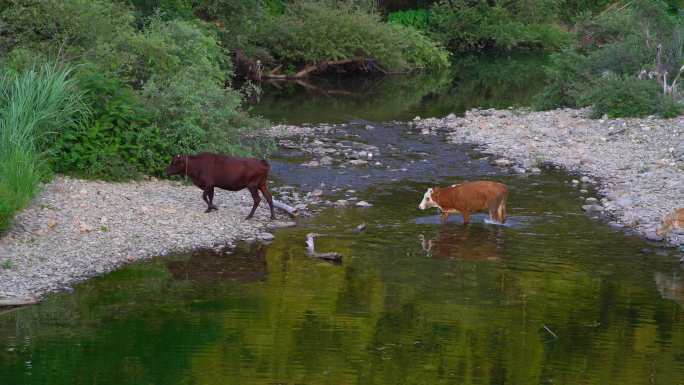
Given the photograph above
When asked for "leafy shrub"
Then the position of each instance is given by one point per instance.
(669, 107)
(416, 18)
(568, 10)
(618, 96)
(95, 31)
(314, 32)
(118, 142)
(463, 25)
(611, 50)
(156, 88)
(35, 105)
(567, 76)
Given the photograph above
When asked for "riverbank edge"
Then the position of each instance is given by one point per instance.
(75, 230)
(635, 165)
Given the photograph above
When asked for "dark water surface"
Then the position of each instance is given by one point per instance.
(552, 297)
(473, 82)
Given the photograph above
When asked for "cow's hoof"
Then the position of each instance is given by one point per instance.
(208, 210)
(248, 217)
(214, 208)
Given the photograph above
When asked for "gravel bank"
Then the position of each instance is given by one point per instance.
(636, 164)
(77, 229)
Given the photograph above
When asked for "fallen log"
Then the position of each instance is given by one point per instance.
(291, 211)
(17, 301)
(362, 65)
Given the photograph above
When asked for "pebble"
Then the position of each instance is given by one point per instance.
(358, 162)
(266, 237)
(363, 204)
(592, 208)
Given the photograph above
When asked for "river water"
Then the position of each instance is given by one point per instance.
(552, 297)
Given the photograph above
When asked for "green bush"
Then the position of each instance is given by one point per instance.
(118, 142)
(567, 76)
(618, 96)
(463, 25)
(669, 107)
(416, 18)
(612, 48)
(314, 32)
(156, 87)
(35, 106)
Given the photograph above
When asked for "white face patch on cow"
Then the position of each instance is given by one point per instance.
(427, 201)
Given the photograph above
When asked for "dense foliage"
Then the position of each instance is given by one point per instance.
(36, 106)
(154, 91)
(154, 85)
(614, 63)
(465, 25)
(314, 32)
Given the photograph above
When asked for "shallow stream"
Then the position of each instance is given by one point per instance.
(552, 297)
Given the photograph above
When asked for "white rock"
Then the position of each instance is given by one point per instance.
(266, 237)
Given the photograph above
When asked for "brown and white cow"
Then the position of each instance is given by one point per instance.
(671, 221)
(467, 198)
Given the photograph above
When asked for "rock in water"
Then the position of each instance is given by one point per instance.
(592, 208)
(266, 237)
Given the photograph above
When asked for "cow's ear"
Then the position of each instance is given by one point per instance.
(430, 190)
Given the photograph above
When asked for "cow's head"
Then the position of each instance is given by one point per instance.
(666, 226)
(427, 201)
(178, 165)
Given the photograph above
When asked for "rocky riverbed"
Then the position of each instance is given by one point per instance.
(77, 229)
(636, 165)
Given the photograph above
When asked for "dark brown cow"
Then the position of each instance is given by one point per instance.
(467, 198)
(207, 170)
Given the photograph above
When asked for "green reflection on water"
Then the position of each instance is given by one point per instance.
(470, 310)
(473, 82)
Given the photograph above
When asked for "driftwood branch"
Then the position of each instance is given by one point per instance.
(291, 211)
(555, 336)
(17, 301)
(311, 252)
(359, 64)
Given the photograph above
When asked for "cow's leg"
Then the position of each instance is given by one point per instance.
(264, 190)
(494, 211)
(466, 217)
(445, 216)
(502, 211)
(212, 206)
(256, 198)
(205, 198)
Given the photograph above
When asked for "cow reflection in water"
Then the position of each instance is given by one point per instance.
(464, 243)
(247, 264)
(670, 285)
